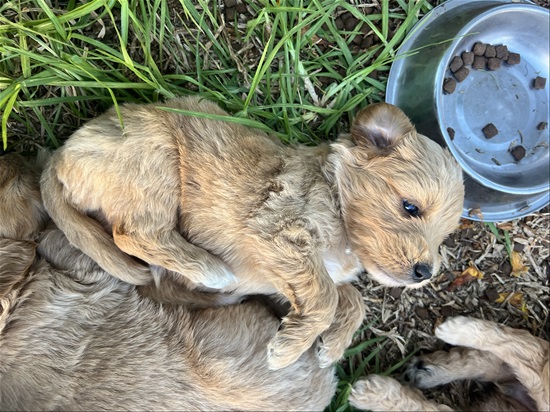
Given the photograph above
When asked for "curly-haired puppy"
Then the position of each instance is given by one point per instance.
(230, 208)
(72, 337)
(516, 361)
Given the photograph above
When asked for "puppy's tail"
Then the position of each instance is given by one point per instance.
(87, 234)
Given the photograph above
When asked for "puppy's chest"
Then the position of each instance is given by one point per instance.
(342, 265)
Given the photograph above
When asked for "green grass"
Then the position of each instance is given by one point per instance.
(56, 71)
(64, 62)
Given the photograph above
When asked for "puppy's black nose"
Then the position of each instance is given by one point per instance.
(421, 272)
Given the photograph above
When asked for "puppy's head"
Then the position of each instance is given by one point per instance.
(22, 214)
(401, 194)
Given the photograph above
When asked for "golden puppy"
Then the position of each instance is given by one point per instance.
(516, 361)
(229, 208)
(72, 337)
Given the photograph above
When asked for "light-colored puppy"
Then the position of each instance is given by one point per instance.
(209, 198)
(516, 361)
(72, 337)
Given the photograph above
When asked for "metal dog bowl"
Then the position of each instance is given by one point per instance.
(500, 186)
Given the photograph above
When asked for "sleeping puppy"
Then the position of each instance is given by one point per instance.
(72, 337)
(229, 208)
(516, 361)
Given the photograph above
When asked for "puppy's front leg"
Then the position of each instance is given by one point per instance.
(170, 250)
(313, 297)
(349, 316)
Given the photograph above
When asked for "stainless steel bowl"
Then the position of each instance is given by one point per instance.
(496, 183)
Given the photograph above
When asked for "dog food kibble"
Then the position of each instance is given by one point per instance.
(518, 152)
(502, 52)
(456, 64)
(491, 294)
(451, 132)
(539, 83)
(493, 63)
(479, 62)
(542, 126)
(513, 58)
(422, 313)
(449, 85)
(490, 131)
(490, 51)
(467, 58)
(461, 73)
(479, 49)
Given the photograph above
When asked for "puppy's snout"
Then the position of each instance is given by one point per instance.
(421, 271)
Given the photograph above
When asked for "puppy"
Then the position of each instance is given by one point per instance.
(72, 337)
(229, 208)
(516, 361)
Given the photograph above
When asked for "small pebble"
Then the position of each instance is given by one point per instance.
(479, 63)
(456, 64)
(451, 132)
(479, 48)
(539, 83)
(542, 126)
(461, 74)
(490, 51)
(396, 292)
(513, 58)
(518, 152)
(490, 131)
(502, 52)
(493, 63)
(422, 313)
(449, 85)
(467, 58)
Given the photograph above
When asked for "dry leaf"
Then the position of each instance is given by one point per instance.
(469, 274)
(466, 224)
(517, 264)
(475, 213)
(515, 300)
(509, 226)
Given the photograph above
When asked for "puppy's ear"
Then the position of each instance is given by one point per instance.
(17, 257)
(380, 127)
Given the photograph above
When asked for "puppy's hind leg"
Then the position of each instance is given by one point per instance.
(442, 367)
(527, 355)
(167, 248)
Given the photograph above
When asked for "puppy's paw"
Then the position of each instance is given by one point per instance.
(282, 351)
(330, 349)
(458, 331)
(375, 392)
(420, 373)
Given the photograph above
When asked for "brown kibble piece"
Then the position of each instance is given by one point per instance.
(449, 85)
(451, 132)
(467, 58)
(493, 63)
(479, 63)
(456, 64)
(491, 294)
(502, 52)
(539, 83)
(490, 51)
(490, 131)
(513, 58)
(241, 8)
(461, 73)
(518, 152)
(479, 49)
(542, 126)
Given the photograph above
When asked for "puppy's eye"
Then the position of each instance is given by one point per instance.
(410, 208)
